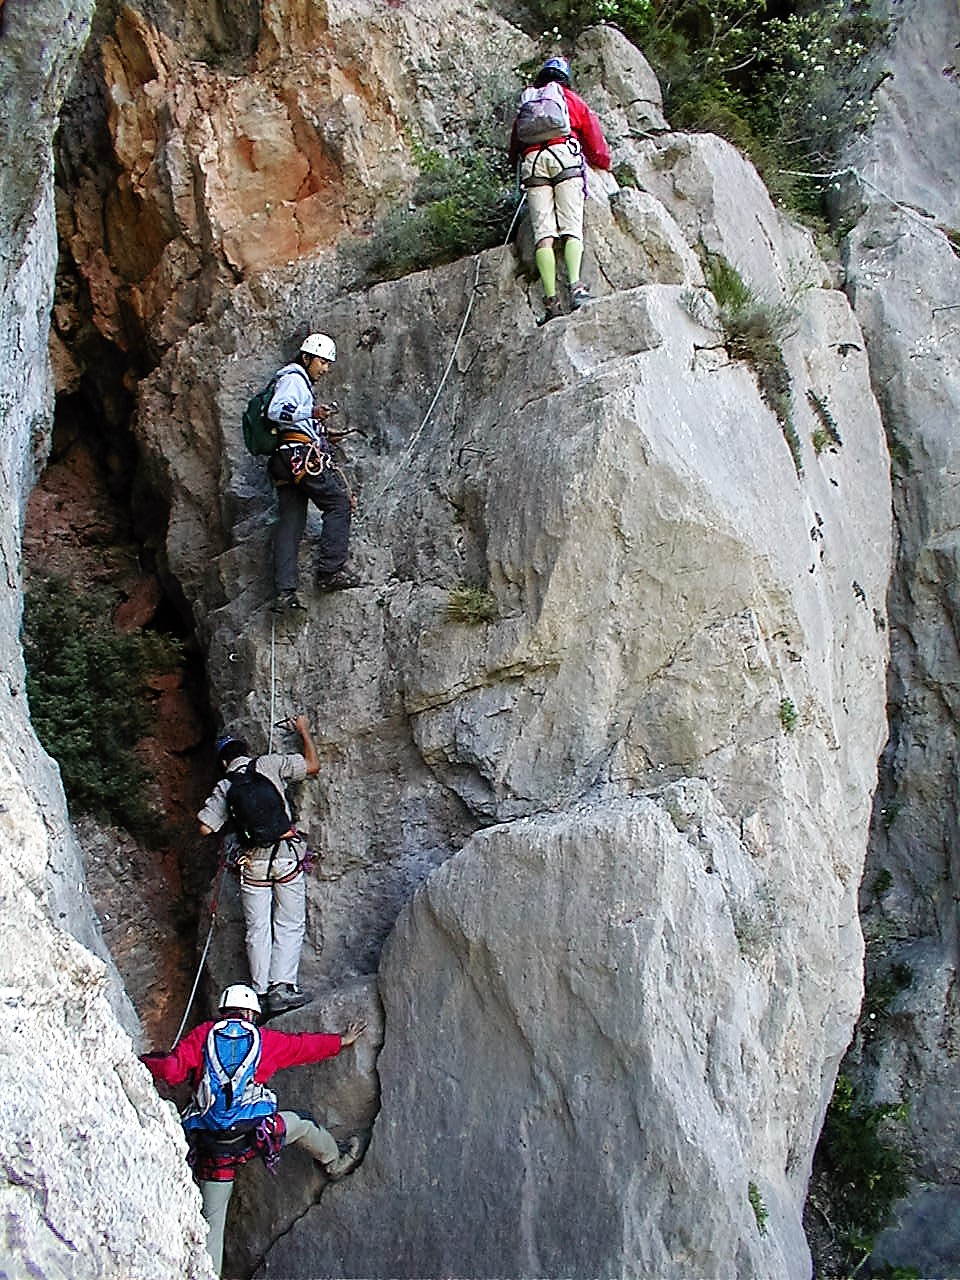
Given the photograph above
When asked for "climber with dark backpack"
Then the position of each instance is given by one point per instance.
(251, 801)
(554, 135)
(233, 1116)
(259, 433)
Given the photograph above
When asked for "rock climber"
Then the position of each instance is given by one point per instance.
(233, 1117)
(251, 799)
(553, 175)
(303, 470)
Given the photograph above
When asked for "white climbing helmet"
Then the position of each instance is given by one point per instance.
(318, 344)
(240, 997)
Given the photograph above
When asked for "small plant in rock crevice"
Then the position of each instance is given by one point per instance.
(827, 434)
(471, 604)
(759, 1208)
(788, 715)
(754, 330)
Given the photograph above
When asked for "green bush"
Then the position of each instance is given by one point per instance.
(87, 701)
(866, 1174)
(461, 204)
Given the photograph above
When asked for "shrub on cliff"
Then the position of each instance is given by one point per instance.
(785, 89)
(85, 685)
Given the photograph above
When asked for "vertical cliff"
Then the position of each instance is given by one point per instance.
(92, 1179)
(613, 835)
(904, 281)
(589, 866)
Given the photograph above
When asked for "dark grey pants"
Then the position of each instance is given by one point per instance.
(330, 496)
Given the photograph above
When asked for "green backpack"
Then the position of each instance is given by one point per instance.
(259, 433)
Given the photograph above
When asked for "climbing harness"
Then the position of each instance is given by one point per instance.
(566, 171)
(293, 838)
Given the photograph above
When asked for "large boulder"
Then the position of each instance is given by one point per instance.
(672, 602)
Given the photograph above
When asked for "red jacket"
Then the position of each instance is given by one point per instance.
(584, 125)
(277, 1050)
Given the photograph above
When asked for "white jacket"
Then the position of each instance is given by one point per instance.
(292, 400)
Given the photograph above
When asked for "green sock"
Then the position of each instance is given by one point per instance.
(547, 266)
(573, 256)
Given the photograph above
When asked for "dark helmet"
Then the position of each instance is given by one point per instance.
(554, 69)
(229, 747)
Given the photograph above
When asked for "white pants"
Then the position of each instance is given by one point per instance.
(555, 211)
(276, 915)
(216, 1195)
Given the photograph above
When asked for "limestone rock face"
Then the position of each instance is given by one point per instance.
(613, 834)
(610, 876)
(92, 1179)
(225, 166)
(583, 1031)
(904, 278)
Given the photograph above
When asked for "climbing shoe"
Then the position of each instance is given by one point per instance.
(342, 580)
(551, 309)
(347, 1160)
(579, 295)
(284, 996)
(288, 602)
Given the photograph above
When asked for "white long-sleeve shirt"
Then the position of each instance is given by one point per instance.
(292, 400)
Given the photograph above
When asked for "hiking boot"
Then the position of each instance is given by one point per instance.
(551, 309)
(284, 996)
(342, 580)
(579, 295)
(288, 602)
(348, 1159)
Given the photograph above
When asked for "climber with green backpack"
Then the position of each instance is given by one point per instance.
(283, 421)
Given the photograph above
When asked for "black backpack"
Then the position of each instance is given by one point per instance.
(257, 808)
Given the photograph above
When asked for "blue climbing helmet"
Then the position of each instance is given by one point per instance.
(554, 69)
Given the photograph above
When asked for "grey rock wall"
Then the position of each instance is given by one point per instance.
(92, 1178)
(904, 283)
(619, 888)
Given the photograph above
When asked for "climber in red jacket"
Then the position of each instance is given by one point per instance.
(553, 175)
(233, 1116)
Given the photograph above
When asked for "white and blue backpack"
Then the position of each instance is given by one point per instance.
(227, 1096)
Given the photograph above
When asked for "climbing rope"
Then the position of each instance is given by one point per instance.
(206, 947)
(409, 446)
(273, 680)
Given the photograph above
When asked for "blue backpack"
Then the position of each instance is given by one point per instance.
(227, 1095)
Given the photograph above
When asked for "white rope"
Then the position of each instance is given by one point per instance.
(453, 353)
(273, 679)
(830, 174)
(407, 449)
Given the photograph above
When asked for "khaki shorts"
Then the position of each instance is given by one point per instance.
(554, 210)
